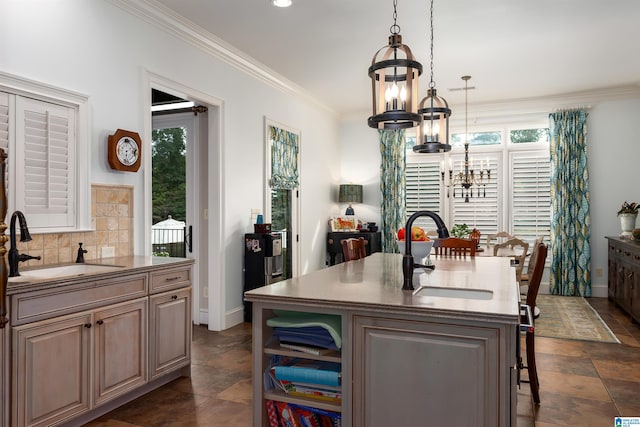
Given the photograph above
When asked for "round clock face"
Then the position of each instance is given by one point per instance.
(127, 151)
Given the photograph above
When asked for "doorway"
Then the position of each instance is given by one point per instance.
(178, 137)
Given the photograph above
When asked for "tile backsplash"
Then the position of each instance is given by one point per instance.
(111, 220)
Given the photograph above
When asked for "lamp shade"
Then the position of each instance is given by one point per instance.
(350, 193)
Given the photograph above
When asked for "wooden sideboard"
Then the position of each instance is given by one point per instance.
(624, 275)
(373, 243)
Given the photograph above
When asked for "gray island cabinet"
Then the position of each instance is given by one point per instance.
(77, 346)
(443, 354)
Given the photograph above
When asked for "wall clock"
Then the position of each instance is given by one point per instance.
(125, 151)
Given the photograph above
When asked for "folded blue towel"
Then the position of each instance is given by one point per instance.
(332, 323)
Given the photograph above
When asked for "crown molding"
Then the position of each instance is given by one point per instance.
(167, 20)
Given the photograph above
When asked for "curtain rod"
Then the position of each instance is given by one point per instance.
(564, 109)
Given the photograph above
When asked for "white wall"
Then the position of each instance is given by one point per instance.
(96, 48)
(613, 128)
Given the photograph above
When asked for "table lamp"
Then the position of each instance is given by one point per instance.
(350, 193)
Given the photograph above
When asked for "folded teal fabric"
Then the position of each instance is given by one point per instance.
(291, 319)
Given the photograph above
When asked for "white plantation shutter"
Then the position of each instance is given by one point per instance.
(47, 157)
(483, 210)
(422, 184)
(531, 203)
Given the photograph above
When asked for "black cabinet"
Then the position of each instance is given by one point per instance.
(373, 243)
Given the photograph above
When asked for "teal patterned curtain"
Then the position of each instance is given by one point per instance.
(570, 218)
(284, 159)
(392, 149)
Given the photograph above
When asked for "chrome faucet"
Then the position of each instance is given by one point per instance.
(14, 256)
(407, 260)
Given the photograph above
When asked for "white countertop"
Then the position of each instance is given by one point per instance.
(124, 265)
(375, 282)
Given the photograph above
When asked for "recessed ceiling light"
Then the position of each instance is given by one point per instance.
(282, 3)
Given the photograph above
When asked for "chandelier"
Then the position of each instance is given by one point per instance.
(394, 76)
(467, 178)
(433, 132)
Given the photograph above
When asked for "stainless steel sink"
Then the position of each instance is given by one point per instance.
(463, 293)
(67, 270)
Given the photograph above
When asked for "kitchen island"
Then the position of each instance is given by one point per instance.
(442, 354)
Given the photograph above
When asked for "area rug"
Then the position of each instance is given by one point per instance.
(570, 318)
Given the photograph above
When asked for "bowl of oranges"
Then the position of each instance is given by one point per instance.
(420, 243)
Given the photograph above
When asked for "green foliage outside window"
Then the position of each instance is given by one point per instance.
(168, 152)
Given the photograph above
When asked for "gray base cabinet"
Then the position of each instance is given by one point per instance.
(82, 346)
(624, 275)
(54, 365)
(411, 365)
(170, 331)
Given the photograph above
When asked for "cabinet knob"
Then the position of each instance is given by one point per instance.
(174, 296)
(87, 325)
(100, 322)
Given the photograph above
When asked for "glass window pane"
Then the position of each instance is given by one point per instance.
(524, 136)
(477, 138)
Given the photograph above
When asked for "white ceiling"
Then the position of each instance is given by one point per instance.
(513, 49)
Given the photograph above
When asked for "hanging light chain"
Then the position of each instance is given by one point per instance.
(395, 28)
(432, 84)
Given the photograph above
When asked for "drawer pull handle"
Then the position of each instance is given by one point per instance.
(171, 279)
(100, 322)
(87, 325)
(174, 296)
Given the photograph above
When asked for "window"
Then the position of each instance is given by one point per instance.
(41, 133)
(515, 199)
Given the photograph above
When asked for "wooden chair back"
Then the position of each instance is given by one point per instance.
(475, 236)
(513, 244)
(535, 278)
(353, 248)
(524, 276)
(454, 246)
(499, 235)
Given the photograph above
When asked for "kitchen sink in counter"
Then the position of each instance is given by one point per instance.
(444, 352)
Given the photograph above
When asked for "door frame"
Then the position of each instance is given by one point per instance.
(212, 212)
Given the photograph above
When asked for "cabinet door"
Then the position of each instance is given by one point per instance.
(120, 357)
(169, 331)
(51, 370)
(613, 274)
(402, 370)
(635, 289)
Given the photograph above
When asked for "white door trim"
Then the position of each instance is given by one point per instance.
(215, 280)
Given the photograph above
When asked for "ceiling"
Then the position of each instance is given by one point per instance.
(513, 49)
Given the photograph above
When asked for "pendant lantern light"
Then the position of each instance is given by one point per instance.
(394, 76)
(433, 132)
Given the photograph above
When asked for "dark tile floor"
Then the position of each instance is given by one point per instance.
(582, 383)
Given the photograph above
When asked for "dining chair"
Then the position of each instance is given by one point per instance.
(475, 236)
(353, 248)
(454, 246)
(497, 237)
(511, 245)
(532, 294)
(524, 276)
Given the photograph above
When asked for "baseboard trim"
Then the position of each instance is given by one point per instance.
(231, 318)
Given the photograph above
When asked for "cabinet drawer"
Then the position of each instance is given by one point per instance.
(48, 303)
(171, 278)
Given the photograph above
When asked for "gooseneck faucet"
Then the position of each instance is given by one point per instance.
(407, 260)
(14, 256)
